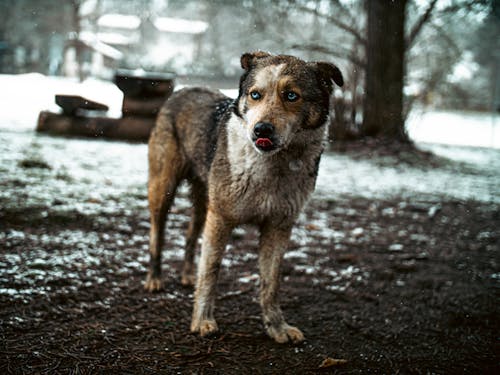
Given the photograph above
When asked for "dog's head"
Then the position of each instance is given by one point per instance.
(281, 95)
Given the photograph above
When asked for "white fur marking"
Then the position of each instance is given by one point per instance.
(295, 165)
(269, 76)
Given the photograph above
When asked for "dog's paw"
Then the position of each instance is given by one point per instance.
(153, 284)
(285, 333)
(205, 327)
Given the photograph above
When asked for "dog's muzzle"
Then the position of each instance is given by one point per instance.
(264, 137)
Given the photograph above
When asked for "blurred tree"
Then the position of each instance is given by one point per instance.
(386, 38)
(486, 48)
(76, 21)
(31, 31)
(385, 56)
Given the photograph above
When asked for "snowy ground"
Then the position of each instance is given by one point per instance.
(57, 176)
(123, 165)
(476, 177)
(455, 128)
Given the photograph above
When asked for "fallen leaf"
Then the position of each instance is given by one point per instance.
(330, 362)
(311, 227)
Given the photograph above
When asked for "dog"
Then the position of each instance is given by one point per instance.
(250, 160)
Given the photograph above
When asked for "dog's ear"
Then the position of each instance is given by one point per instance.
(248, 60)
(328, 73)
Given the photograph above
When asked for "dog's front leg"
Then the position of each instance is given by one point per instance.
(273, 244)
(215, 236)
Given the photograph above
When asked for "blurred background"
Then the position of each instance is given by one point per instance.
(450, 50)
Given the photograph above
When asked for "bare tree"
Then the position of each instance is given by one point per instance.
(380, 51)
(487, 51)
(76, 31)
(384, 79)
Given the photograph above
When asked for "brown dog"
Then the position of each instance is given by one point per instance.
(250, 160)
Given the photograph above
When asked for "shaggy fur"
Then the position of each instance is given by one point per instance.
(250, 160)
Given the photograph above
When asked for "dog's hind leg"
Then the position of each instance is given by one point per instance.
(165, 172)
(273, 243)
(199, 199)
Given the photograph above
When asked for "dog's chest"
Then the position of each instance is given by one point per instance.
(261, 187)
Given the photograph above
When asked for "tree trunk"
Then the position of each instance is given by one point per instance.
(383, 103)
(79, 46)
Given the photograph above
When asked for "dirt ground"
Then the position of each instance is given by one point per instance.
(399, 285)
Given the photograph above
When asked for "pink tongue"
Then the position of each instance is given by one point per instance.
(264, 142)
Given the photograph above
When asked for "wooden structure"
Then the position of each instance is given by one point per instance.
(143, 93)
(143, 96)
(126, 129)
(71, 104)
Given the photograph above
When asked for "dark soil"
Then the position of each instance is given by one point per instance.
(426, 298)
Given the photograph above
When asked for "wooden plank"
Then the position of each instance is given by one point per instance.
(142, 107)
(72, 103)
(128, 128)
(144, 84)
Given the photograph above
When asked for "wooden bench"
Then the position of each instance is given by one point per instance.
(71, 104)
(143, 96)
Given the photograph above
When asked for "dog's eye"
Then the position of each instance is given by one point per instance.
(291, 96)
(255, 95)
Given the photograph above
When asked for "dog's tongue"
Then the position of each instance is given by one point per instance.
(264, 142)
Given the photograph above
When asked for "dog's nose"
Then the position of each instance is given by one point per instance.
(263, 130)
